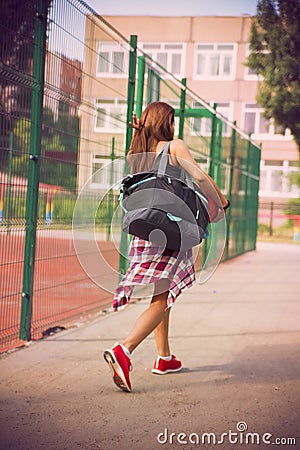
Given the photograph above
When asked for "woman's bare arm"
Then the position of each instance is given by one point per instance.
(184, 158)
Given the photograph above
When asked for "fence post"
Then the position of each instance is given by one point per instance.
(217, 153)
(271, 219)
(140, 86)
(257, 173)
(214, 121)
(34, 166)
(231, 173)
(245, 206)
(211, 167)
(8, 196)
(131, 89)
(182, 109)
(110, 193)
(130, 108)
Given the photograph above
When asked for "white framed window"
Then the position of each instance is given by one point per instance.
(112, 59)
(105, 174)
(254, 123)
(274, 179)
(202, 125)
(170, 55)
(215, 61)
(249, 74)
(111, 115)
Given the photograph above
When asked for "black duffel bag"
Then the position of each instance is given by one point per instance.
(168, 211)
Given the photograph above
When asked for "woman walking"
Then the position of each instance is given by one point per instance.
(170, 272)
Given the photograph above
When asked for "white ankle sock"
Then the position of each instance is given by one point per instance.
(127, 352)
(165, 358)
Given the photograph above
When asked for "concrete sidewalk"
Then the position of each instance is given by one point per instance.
(238, 337)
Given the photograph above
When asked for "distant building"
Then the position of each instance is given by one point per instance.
(63, 81)
(70, 84)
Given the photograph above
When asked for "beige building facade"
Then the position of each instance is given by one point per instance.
(210, 52)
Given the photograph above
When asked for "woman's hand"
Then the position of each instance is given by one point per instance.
(136, 123)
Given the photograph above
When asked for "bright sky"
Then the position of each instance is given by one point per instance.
(174, 7)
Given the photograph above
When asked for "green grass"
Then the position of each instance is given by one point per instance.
(283, 233)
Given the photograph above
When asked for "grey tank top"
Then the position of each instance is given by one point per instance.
(173, 171)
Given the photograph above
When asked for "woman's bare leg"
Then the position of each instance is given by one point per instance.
(153, 316)
(161, 334)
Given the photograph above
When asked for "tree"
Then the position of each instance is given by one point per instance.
(275, 55)
(17, 31)
(17, 27)
(54, 171)
(295, 178)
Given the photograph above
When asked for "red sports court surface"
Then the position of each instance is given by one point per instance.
(62, 290)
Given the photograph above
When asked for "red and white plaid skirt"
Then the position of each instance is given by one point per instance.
(149, 264)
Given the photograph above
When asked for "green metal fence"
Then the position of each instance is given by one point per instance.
(69, 84)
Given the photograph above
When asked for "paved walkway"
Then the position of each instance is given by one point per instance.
(238, 336)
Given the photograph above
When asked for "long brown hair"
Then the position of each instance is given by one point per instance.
(156, 124)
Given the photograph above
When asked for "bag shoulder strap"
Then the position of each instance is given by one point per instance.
(164, 158)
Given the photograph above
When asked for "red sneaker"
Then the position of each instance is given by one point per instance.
(161, 367)
(120, 366)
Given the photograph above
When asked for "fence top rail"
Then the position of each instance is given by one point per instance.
(86, 9)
